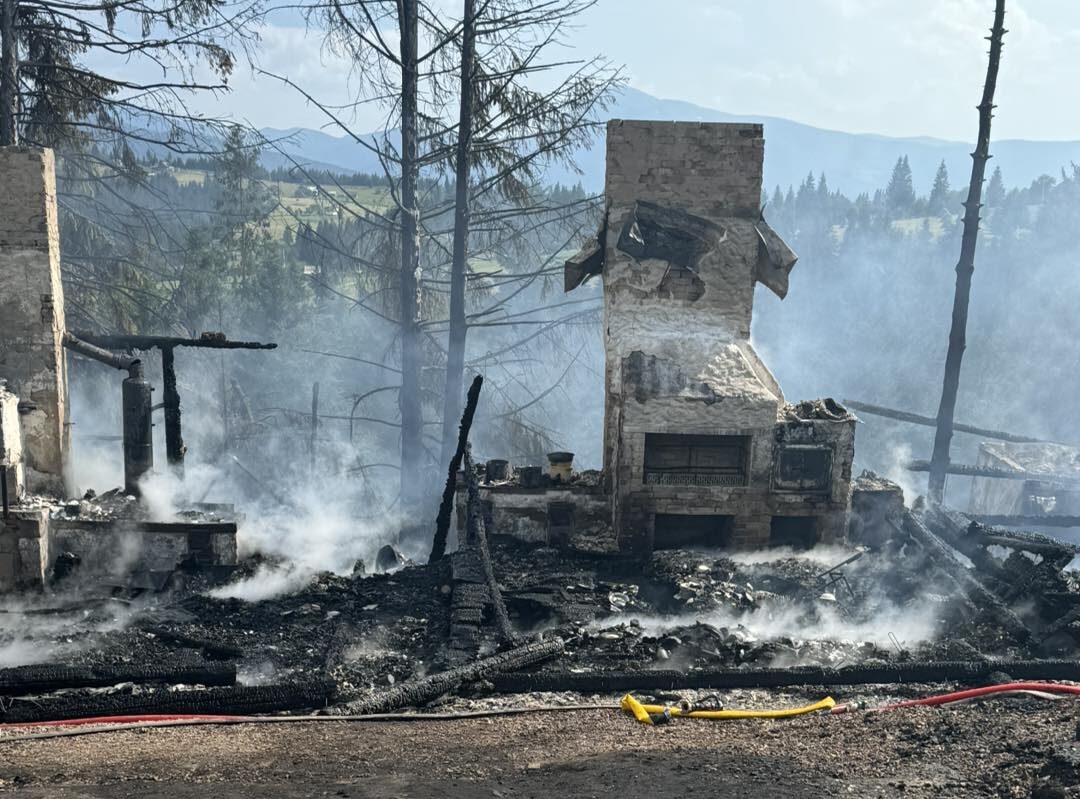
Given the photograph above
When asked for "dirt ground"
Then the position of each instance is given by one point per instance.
(1003, 748)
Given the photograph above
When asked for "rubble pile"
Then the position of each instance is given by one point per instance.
(893, 602)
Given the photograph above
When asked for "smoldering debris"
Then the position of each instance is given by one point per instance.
(357, 637)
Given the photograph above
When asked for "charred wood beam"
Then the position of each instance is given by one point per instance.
(416, 693)
(476, 530)
(211, 650)
(174, 438)
(968, 470)
(214, 341)
(929, 421)
(1026, 521)
(446, 506)
(43, 678)
(975, 672)
(239, 700)
(946, 558)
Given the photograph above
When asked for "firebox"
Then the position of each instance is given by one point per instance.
(678, 530)
(685, 460)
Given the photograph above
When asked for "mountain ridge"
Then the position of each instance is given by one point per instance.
(852, 162)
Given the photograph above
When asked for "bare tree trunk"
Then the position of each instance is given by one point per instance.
(412, 422)
(9, 74)
(314, 424)
(455, 358)
(939, 462)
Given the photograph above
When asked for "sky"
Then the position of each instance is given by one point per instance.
(893, 67)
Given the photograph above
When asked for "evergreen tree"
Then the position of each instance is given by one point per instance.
(939, 194)
(995, 192)
(900, 193)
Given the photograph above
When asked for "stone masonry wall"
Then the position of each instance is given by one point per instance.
(32, 310)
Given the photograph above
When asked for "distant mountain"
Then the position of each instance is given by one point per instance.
(852, 162)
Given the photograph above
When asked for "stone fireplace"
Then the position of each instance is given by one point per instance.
(700, 446)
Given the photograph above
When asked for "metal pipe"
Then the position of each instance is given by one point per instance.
(138, 428)
(100, 354)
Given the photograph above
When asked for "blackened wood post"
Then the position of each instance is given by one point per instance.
(939, 461)
(170, 398)
(476, 532)
(446, 507)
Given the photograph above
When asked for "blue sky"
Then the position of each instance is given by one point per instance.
(895, 67)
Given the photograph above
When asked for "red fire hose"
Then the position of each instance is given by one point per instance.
(124, 720)
(1036, 688)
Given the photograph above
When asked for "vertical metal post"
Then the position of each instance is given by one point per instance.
(138, 428)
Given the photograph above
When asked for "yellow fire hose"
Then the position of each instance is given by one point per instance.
(647, 714)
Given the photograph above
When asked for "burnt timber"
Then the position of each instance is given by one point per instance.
(174, 439)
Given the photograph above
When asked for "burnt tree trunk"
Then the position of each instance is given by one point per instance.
(412, 445)
(9, 74)
(965, 267)
(455, 358)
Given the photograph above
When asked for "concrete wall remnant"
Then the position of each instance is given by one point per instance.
(32, 311)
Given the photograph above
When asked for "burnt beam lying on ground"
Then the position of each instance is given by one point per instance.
(976, 671)
(416, 693)
(22, 680)
(946, 558)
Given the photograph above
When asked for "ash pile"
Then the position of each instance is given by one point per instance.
(920, 595)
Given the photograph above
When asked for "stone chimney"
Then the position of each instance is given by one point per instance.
(32, 311)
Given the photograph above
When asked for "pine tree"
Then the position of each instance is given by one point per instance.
(900, 193)
(995, 192)
(777, 200)
(939, 194)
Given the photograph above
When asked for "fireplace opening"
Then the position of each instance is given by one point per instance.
(797, 532)
(676, 530)
(689, 460)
